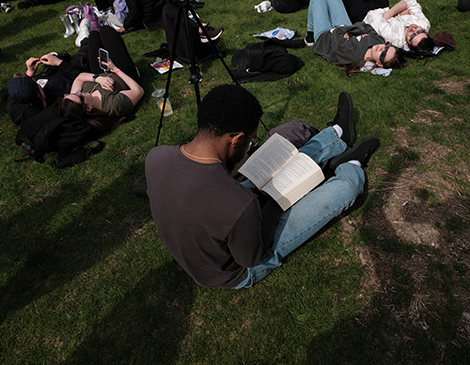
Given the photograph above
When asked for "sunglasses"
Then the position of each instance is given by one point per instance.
(384, 52)
(410, 37)
(80, 96)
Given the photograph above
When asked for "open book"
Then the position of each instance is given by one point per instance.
(280, 170)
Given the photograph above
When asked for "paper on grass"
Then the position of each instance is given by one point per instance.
(162, 66)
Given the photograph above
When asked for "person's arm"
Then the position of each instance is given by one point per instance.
(253, 233)
(135, 91)
(395, 10)
(105, 82)
(32, 66)
(65, 67)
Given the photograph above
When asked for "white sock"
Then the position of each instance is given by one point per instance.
(338, 130)
(355, 162)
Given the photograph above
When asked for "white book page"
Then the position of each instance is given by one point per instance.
(268, 160)
(300, 176)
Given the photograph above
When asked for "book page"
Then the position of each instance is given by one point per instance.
(268, 160)
(300, 176)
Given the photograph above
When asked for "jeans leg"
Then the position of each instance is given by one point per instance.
(338, 13)
(319, 18)
(314, 210)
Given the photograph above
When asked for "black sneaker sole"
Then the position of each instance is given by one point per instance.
(352, 155)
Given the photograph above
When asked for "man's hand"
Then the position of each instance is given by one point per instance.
(32, 65)
(121, 30)
(346, 35)
(51, 60)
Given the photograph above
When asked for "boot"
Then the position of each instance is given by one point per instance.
(66, 19)
(76, 23)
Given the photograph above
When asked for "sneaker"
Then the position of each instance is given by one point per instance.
(84, 31)
(213, 33)
(309, 40)
(344, 118)
(6, 8)
(362, 151)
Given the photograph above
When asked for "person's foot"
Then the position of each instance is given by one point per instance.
(6, 8)
(344, 118)
(213, 33)
(309, 40)
(362, 151)
(84, 31)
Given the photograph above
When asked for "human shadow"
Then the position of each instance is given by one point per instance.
(42, 258)
(147, 327)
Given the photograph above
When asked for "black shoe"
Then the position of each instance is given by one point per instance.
(213, 34)
(361, 152)
(309, 40)
(344, 118)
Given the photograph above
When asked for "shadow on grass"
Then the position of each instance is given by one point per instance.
(417, 313)
(41, 257)
(147, 327)
(384, 338)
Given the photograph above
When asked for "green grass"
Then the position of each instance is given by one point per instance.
(84, 278)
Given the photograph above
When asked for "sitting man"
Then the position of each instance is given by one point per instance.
(29, 94)
(215, 227)
(402, 24)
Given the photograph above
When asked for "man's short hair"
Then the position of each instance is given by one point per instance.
(426, 44)
(227, 109)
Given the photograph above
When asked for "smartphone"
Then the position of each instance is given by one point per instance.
(103, 57)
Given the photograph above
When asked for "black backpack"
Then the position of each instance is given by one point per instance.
(48, 132)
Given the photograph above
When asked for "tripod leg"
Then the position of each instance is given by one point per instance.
(170, 71)
(216, 50)
(195, 77)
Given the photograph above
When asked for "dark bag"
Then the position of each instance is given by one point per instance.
(265, 61)
(48, 132)
(297, 132)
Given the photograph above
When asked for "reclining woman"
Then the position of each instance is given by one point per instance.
(104, 99)
(346, 44)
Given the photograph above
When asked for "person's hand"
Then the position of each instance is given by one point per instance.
(404, 12)
(346, 36)
(106, 83)
(121, 30)
(112, 67)
(32, 65)
(51, 60)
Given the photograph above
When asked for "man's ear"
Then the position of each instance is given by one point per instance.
(88, 108)
(238, 140)
(379, 64)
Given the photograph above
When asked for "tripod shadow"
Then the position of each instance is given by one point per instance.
(41, 257)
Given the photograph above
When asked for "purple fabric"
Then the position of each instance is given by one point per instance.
(120, 10)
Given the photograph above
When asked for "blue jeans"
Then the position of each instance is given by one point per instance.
(324, 15)
(314, 210)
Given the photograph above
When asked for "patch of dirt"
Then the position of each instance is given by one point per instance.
(453, 87)
(423, 224)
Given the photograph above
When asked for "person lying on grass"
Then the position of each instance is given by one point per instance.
(402, 24)
(346, 44)
(104, 99)
(32, 92)
(216, 228)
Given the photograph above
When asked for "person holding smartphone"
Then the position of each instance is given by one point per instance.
(104, 99)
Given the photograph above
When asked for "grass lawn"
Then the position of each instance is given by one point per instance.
(84, 278)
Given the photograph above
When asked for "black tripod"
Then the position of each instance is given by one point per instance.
(185, 6)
